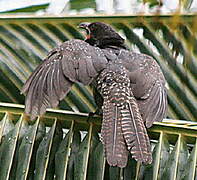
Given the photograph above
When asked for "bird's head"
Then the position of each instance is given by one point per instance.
(100, 34)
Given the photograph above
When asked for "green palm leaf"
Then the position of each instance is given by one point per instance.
(25, 41)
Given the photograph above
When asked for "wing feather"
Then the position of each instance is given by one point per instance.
(56, 83)
(36, 90)
(154, 107)
(36, 72)
(84, 61)
(148, 85)
(73, 61)
(53, 98)
(40, 92)
(29, 101)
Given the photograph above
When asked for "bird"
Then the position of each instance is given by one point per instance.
(128, 87)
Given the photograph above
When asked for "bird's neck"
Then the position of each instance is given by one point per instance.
(107, 42)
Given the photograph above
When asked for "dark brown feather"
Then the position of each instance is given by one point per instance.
(121, 118)
(131, 84)
(154, 106)
(73, 61)
(81, 62)
(147, 84)
(112, 136)
(134, 132)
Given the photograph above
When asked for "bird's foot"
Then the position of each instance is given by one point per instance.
(90, 115)
(98, 112)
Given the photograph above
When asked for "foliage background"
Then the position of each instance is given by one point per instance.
(63, 144)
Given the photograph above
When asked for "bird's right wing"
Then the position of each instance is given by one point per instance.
(123, 128)
(154, 106)
(148, 85)
(73, 61)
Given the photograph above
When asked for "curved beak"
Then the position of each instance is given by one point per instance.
(84, 25)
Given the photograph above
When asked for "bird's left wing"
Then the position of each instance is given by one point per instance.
(73, 61)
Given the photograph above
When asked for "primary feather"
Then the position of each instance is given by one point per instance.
(73, 61)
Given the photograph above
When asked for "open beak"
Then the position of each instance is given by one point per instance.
(84, 25)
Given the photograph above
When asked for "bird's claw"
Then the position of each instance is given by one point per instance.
(90, 114)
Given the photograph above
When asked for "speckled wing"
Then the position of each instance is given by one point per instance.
(123, 129)
(73, 61)
(153, 106)
(147, 84)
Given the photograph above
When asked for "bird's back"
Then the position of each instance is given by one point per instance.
(147, 82)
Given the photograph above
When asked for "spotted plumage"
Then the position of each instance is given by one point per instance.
(129, 88)
(122, 129)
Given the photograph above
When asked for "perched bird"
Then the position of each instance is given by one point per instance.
(129, 88)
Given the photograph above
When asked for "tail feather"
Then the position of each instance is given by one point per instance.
(123, 128)
(112, 137)
(135, 133)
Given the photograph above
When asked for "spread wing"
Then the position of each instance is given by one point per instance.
(148, 85)
(73, 61)
(153, 106)
(123, 128)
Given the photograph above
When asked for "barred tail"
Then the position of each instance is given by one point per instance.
(112, 136)
(123, 128)
(135, 133)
